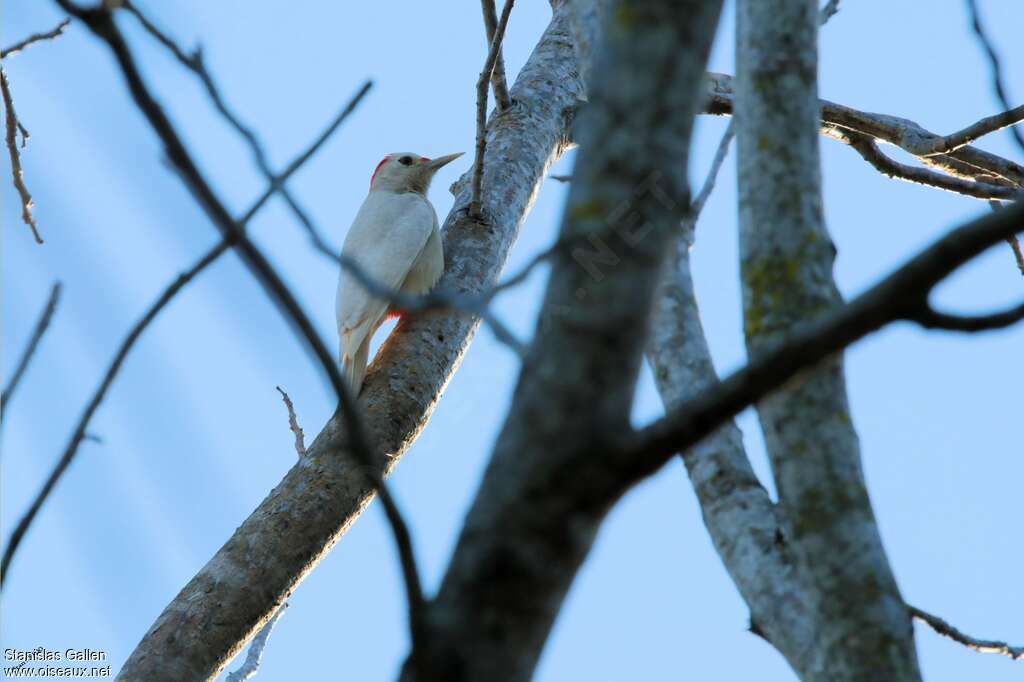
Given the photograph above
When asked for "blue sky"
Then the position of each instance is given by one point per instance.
(195, 434)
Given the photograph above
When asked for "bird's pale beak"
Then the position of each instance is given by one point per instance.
(435, 164)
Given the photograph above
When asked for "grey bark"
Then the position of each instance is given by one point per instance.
(965, 162)
(786, 259)
(234, 595)
(745, 526)
(544, 495)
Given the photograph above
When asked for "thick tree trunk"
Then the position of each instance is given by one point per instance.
(864, 630)
(231, 598)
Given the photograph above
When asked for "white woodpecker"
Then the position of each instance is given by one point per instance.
(396, 240)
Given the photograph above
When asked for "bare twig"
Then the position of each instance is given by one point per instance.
(869, 151)
(498, 81)
(101, 23)
(997, 68)
(1018, 255)
(13, 127)
(293, 424)
(79, 434)
(277, 182)
(195, 63)
(481, 108)
(252, 659)
(697, 205)
(976, 130)
(26, 355)
(34, 38)
(829, 10)
(983, 646)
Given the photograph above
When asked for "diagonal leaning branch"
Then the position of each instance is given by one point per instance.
(231, 597)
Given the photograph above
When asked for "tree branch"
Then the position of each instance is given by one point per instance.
(293, 424)
(709, 183)
(975, 131)
(30, 348)
(965, 162)
(324, 493)
(481, 108)
(33, 39)
(897, 297)
(498, 81)
(929, 318)
(983, 646)
(13, 126)
(829, 10)
(746, 528)
(1018, 255)
(786, 257)
(869, 151)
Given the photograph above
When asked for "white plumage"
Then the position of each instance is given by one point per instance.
(396, 240)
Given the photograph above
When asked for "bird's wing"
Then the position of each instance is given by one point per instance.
(386, 237)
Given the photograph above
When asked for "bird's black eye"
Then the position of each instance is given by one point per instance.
(405, 160)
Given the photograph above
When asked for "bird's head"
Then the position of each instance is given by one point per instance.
(407, 172)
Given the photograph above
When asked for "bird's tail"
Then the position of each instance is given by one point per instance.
(353, 366)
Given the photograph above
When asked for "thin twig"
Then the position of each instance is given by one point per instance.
(252, 659)
(498, 82)
(293, 424)
(828, 11)
(79, 434)
(26, 355)
(1018, 255)
(481, 108)
(33, 39)
(277, 182)
(983, 646)
(197, 65)
(997, 67)
(716, 165)
(977, 130)
(13, 126)
(101, 23)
